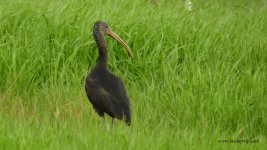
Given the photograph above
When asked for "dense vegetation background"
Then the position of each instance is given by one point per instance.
(196, 77)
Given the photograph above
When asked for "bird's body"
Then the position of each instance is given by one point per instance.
(106, 91)
(107, 94)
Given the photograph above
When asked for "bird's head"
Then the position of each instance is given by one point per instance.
(102, 28)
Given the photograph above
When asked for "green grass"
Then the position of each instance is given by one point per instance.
(196, 77)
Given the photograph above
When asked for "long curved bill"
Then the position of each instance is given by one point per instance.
(116, 37)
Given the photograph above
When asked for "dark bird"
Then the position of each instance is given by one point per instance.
(106, 91)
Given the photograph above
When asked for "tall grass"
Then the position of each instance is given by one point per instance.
(196, 77)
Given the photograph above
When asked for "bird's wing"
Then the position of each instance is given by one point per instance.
(121, 102)
(117, 88)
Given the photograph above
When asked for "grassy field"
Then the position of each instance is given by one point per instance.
(196, 77)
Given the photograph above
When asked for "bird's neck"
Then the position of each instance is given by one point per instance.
(102, 48)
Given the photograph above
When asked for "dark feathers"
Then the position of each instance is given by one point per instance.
(107, 94)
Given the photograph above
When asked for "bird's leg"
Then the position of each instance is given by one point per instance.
(103, 120)
(112, 122)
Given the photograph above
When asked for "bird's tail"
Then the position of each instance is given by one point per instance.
(127, 117)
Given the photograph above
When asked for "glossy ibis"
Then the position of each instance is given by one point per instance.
(106, 91)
